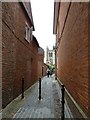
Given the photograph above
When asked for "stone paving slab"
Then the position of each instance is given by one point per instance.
(48, 107)
(33, 108)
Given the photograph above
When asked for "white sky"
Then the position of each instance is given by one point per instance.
(43, 12)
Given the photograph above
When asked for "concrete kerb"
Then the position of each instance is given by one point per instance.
(74, 102)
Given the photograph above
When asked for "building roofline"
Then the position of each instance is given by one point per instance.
(35, 40)
(56, 14)
(40, 51)
(32, 17)
(29, 15)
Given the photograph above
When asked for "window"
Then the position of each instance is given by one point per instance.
(31, 29)
(50, 54)
(27, 32)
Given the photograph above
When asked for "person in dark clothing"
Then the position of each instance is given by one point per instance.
(48, 72)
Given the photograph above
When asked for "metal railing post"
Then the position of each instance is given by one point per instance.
(63, 101)
(22, 88)
(39, 88)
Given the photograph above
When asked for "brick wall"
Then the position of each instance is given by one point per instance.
(0, 56)
(89, 57)
(34, 62)
(18, 56)
(8, 53)
(72, 51)
(40, 62)
(44, 69)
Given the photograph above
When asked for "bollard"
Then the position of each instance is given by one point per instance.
(42, 71)
(22, 88)
(39, 88)
(63, 91)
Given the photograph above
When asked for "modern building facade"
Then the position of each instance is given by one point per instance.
(71, 26)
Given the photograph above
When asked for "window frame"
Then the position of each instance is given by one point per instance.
(27, 32)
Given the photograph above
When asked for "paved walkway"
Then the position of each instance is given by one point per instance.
(30, 107)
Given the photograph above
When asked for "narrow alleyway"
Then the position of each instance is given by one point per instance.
(33, 108)
(26, 56)
(30, 107)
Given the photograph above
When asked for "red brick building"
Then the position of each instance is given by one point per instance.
(45, 69)
(40, 62)
(71, 29)
(19, 50)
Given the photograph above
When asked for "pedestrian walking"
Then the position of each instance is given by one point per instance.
(48, 72)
